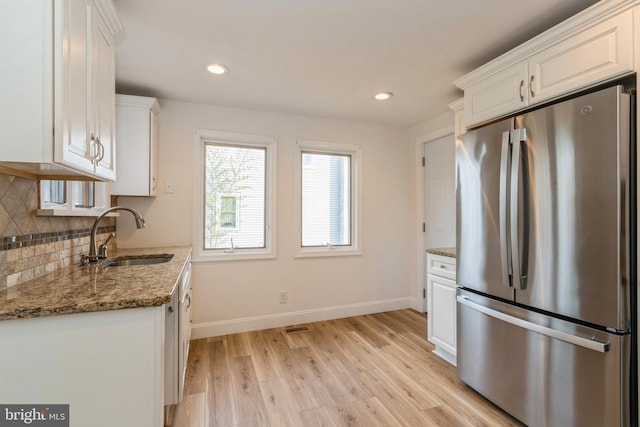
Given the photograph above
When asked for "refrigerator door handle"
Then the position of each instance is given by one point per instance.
(543, 330)
(505, 252)
(519, 270)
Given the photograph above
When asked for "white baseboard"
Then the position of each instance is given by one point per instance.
(245, 324)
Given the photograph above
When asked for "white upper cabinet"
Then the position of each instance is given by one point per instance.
(496, 95)
(599, 53)
(57, 114)
(137, 130)
(590, 48)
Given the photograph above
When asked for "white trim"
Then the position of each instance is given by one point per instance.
(420, 214)
(353, 150)
(255, 323)
(269, 143)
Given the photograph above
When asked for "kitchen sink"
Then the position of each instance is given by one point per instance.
(129, 260)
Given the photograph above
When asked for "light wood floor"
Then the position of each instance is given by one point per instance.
(374, 370)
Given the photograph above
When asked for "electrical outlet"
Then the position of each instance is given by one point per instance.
(283, 297)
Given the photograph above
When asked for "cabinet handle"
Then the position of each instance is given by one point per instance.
(444, 267)
(520, 91)
(100, 155)
(531, 87)
(189, 298)
(93, 155)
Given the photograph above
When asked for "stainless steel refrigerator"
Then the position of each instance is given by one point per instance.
(546, 242)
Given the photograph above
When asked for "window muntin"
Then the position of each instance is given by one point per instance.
(326, 199)
(234, 222)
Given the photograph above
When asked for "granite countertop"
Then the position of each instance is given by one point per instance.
(89, 288)
(450, 252)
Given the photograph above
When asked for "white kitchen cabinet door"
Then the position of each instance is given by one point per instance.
(442, 316)
(137, 130)
(73, 145)
(497, 95)
(602, 52)
(103, 101)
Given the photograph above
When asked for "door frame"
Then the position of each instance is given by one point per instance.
(418, 302)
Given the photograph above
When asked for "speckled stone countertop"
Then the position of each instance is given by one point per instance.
(88, 288)
(450, 252)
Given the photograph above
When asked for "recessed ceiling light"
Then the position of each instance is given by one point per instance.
(383, 96)
(217, 69)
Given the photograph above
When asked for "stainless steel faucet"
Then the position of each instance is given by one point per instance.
(93, 247)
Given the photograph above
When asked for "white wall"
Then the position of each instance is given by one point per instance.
(243, 295)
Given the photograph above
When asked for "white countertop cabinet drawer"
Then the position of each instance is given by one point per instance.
(442, 266)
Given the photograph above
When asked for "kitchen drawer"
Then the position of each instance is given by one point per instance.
(442, 266)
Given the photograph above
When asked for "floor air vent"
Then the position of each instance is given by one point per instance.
(296, 329)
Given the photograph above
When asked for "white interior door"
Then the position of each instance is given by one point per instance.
(440, 193)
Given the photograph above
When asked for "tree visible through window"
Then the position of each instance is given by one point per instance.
(234, 205)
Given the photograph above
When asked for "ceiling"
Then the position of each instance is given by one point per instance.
(323, 58)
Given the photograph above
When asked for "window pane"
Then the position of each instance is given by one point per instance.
(83, 194)
(326, 199)
(234, 205)
(54, 192)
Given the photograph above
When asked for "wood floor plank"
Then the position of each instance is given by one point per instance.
(394, 399)
(220, 392)
(197, 367)
(238, 345)
(277, 399)
(295, 376)
(191, 411)
(317, 417)
(263, 360)
(375, 413)
(358, 324)
(372, 370)
(333, 356)
(249, 404)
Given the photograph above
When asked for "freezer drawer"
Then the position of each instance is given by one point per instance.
(543, 371)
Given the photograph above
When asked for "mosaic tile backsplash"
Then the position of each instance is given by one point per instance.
(30, 245)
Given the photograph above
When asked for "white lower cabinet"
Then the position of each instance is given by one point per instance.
(441, 306)
(107, 366)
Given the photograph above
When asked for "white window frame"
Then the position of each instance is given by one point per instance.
(201, 138)
(355, 152)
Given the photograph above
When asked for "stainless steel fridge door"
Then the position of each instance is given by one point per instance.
(543, 371)
(573, 199)
(482, 175)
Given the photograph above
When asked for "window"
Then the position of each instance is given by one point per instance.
(228, 212)
(72, 198)
(234, 181)
(327, 195)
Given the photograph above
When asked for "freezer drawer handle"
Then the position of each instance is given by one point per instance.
(552, 333)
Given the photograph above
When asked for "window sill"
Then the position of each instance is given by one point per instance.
(72, 212)
(201, 256)
(326, 252)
